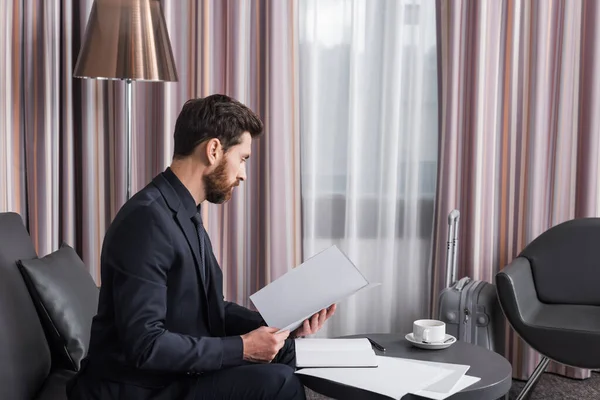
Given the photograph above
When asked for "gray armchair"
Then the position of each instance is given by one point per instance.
(550, 296)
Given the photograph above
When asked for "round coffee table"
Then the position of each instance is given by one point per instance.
(493, 369)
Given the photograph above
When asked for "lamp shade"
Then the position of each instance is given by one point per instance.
(126, 39)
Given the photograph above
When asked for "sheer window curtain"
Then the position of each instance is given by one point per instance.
(368, 131)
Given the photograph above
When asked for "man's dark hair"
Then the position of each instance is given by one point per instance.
(216, 116)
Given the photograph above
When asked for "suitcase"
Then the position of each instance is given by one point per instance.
(470, 308)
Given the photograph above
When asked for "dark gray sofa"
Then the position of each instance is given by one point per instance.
(34, 355)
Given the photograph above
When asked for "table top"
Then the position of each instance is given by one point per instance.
(493, 369)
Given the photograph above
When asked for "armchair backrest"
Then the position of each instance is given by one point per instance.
(565, 262)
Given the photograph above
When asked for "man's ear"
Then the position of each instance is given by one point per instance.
(213, 150)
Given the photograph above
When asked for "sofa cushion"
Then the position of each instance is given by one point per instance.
(24, 353)
(67, 300)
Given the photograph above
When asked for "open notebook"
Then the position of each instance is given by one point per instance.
(334, 353)
(319, 282)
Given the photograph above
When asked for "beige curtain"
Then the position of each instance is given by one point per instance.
(62, 142)
(519, 131)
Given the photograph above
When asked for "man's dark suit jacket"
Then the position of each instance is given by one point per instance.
(156, 323)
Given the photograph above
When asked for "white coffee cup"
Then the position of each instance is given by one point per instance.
(429, 330)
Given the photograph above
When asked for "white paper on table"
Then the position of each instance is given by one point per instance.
(314, 353)
(394, 377)
(464, 383)
(447, 384)
(319, 282)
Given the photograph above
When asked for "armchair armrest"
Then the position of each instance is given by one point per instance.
(516, 291)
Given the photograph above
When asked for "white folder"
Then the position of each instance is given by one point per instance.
(319, 282)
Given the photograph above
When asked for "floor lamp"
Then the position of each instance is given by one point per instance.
(126, 40)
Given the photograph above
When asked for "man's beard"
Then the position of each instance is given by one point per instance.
(218, 190)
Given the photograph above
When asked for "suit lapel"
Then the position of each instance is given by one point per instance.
(213, 297)
(185, 224)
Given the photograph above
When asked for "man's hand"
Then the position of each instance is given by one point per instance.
(262, 344)
(314, 323)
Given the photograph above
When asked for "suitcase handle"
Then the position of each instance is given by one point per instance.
(461, 284)
(451, 247)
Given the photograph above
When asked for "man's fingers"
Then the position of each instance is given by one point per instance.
(270, 329)
(331, 309)
(302, 331)
(283, 334)
(322, 316)
(314, 323)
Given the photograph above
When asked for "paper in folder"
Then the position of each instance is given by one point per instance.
(322, 280)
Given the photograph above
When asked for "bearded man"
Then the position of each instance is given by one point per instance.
(163, 329)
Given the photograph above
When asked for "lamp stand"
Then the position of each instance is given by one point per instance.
(128, 124)
(126, 40)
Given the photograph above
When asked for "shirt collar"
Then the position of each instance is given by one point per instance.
(186, 198)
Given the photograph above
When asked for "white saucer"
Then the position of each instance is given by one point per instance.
(431, 346)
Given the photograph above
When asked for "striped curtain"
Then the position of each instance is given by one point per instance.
(519, 132)
(62, 142)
